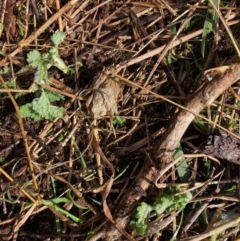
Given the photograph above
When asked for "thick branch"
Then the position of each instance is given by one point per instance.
(202, 98)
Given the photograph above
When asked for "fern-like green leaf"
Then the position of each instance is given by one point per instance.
(10, 84)
(52, 96)
(142, 211)
(41, 108)
(139, 216)
(5, 70)
(165, 203)
(34, 58)
(57, 38)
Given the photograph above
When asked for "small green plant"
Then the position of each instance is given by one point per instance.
(10, 84)
(41, 107)
(168, 202)
(5, 71)
(118, 122)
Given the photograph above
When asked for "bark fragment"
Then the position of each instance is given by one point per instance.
(224, 146)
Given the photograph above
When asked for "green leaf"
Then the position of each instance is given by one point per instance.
(2, 159)
(207, 167)
(139, 227)
(52, 96)
(40, 108)
(57, 38)
(5, 70)
(71, 71)
(68, 214)
(139, 216)
(10, 84)
(142, 211)
(234, 124)
(169, 201)
(162, 203)
(34, 58)
(118, 121)
(52, 202)
(231, 188)
(209, 24)
(53, 59)
(59, 63)
(52, 53)
(179, 201)
(165, 203)
(182, 166)
(41, 74)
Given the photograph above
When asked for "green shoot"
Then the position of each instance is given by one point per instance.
(118, 122)
(53, 191)
(53, 204)
(174, 237)
(44, 61)
(182, 166)
(1, 159)
(57, 38)
(41, 108)
(90, 234)
(5, 70)
(209, 24)
(122, 172)
(82, 160)
(139, 216)
(168, 202)
(10, 84)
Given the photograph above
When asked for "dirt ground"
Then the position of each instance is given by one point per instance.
(101, 121)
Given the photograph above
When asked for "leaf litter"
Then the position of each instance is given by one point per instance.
(49, 173)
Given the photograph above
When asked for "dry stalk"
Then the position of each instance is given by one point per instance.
(24, 136)
(213, 231)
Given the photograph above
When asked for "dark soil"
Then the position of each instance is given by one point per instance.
(70, 184)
